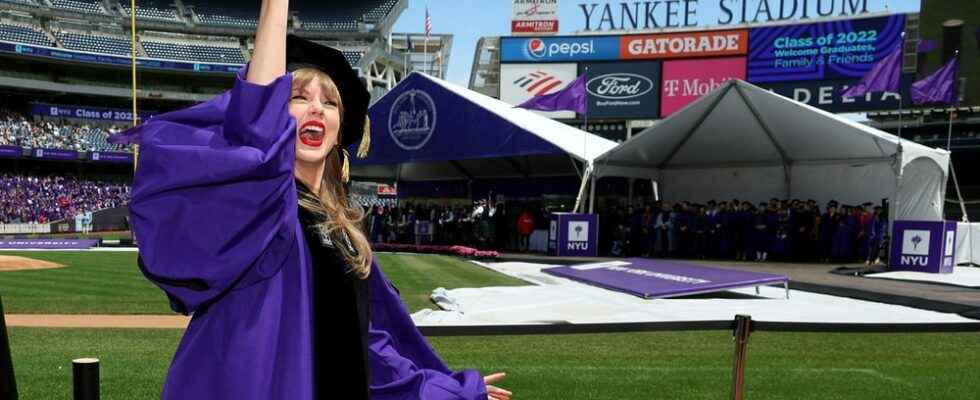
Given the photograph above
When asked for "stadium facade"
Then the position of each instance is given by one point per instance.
(637, 76)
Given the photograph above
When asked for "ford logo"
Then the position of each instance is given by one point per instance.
(619, 85)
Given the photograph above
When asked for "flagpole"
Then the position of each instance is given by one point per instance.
(585, 141)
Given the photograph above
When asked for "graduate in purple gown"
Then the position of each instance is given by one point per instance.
(828, 230)
(876, 232)
(240, 211)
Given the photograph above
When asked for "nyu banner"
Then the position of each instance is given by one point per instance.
(96, 113)
(824, 50)
(55, 154)
(623, 90)
(10, 151)
(110, 156)
(556, 49)
(48, 243)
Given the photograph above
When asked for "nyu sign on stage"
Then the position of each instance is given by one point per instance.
(573, 234)
(923, 246)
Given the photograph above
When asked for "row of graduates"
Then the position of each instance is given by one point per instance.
(785, 230)
(500, 226)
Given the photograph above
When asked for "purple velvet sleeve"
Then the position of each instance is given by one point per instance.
(214, 203)
(403, 365)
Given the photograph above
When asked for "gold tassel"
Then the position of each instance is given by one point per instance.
(345, 168)
(362, 150)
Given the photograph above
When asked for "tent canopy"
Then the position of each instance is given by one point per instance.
(742, 141)
(429, 129)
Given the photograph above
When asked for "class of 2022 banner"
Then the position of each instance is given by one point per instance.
(841, 49)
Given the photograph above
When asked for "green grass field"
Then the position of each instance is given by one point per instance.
(622, 366)
(111, 283)
(640, 366)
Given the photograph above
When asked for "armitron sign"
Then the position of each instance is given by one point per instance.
(534, 17)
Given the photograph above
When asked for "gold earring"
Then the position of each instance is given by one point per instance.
(345, 167)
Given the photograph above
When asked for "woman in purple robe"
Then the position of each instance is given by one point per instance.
(240, 211)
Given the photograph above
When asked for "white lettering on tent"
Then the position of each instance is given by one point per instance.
(660, 275)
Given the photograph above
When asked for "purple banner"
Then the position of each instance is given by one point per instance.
(11, 151)
(575, 235)
(55, 154)
(660, 278)
(824, 50)
(96, 113)
(109, 156)
(923, 246)
(48, 243)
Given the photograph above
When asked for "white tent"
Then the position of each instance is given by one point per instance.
(742, 141)
(467, 135)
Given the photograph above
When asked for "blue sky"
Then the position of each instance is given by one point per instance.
(468, 20)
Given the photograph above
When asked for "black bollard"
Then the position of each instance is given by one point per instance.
(741, 332)
(85, 373)
(8, 386)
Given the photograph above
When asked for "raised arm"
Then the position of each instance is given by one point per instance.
(269, 58)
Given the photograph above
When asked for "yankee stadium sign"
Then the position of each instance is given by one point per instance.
(656, 14)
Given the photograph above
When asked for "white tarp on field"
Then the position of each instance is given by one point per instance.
(549, 299)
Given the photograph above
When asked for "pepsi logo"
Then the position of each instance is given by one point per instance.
(536, 48)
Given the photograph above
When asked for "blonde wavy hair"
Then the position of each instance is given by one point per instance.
(331, 205)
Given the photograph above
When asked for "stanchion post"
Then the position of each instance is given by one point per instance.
(85, 373)
(741, 331)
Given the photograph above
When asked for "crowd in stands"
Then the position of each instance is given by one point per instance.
(783, 230)
(17, 130)
(47, 198)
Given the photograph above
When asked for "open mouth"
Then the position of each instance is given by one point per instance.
(311, 133)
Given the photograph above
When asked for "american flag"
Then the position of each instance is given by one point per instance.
(428, 22)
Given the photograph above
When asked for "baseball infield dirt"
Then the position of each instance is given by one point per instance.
(18, 263)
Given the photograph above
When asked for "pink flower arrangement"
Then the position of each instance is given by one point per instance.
(461, 251)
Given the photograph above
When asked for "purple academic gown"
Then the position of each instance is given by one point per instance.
(214, 210)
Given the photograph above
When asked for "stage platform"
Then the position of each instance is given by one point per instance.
(657, 279)
(817, 278)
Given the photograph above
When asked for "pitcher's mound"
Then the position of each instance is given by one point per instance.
(17, 263)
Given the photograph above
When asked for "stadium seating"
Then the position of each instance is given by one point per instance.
(337, 24)
(48, 198)
(379, 13)
(152, 12)
(17, 130)
(82, 6)
(212, 16)
(353, 56)
(24, 34)
(101, 43)
(198, 52)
